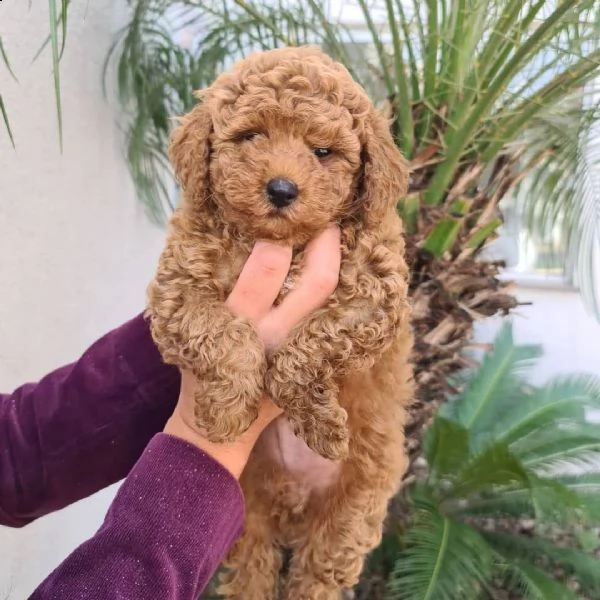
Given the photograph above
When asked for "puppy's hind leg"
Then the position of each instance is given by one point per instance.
(254, 563)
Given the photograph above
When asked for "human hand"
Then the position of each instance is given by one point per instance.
(252, 298)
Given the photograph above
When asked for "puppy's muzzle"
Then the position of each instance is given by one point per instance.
(281, 192)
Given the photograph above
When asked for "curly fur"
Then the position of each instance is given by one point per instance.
(342, 376)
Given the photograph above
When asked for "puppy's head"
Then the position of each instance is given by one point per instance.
(286, 144)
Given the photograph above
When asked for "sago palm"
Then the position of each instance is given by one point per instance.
(512, 486)
(482, 95)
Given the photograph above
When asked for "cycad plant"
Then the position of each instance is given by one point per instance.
(483, 95)
(510, 496)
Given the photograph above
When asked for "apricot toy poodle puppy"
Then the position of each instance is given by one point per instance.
(280, 148)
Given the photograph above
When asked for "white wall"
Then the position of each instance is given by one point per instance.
(558, 321)
(76, 251)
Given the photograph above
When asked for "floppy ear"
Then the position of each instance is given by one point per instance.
(189, 152)
(385, 171)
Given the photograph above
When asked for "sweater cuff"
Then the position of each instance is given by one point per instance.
(186, 502)
(174, 473)
(170, 525)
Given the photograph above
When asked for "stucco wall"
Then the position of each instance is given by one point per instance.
(76, 251)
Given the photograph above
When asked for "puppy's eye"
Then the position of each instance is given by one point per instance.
(247, 136)
(322, 152)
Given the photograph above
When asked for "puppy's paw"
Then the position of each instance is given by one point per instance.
(312, 590)
(228, 395)
(224, 419)
(328, 438)
(313, 411)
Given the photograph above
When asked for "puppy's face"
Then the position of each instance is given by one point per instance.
(284, 145)
(283, 163)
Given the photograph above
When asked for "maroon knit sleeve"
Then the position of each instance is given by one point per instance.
(167, 530)
(83, 426)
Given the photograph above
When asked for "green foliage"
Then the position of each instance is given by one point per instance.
(481, 93)
(57, 38)
(501, 452)
(443, 558)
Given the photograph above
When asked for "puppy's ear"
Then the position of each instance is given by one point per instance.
(385, 171)
(189, 152)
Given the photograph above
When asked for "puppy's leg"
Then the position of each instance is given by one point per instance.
(302, 385)
(346, 523)
(332, 555)
(228, 360)
(254, 563)
(362, 320)
(194, 330)
(302, 374)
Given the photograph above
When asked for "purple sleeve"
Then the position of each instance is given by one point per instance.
(82, 427)
(170, 525)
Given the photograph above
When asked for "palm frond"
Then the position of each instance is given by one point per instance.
(55, 66)
(564, 447)
(562, 398)
(573, 561)
(495, 466)
(5, 60)
(563, 194)
(446, 447)
(494, 385)
(534, 582)
(6, 121)
(443, 559)
(587, 488)
(539, 498)
(3, 110)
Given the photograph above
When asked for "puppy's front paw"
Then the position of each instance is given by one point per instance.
(328, 437)
(313, 412)
(223, 415)
(230, 385)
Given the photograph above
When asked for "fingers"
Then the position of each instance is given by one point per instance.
(260, 281)
(317, 282)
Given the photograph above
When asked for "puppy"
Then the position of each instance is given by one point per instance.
(281, 147)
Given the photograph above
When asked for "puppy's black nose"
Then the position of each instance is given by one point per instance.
(281, 192)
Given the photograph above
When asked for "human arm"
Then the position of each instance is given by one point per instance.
(179, 510)
(83, 426)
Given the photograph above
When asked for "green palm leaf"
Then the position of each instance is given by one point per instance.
(443, 558)
(6, 121)
(563, 398)
(564, 192)
(494, 386)
(564, 447)
(445, 447)
(535, 583)
(539, 498)
(5, 60)
(495, 466)
(572, 560)
(55, 65)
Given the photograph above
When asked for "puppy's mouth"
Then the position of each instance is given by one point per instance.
(280, 213)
